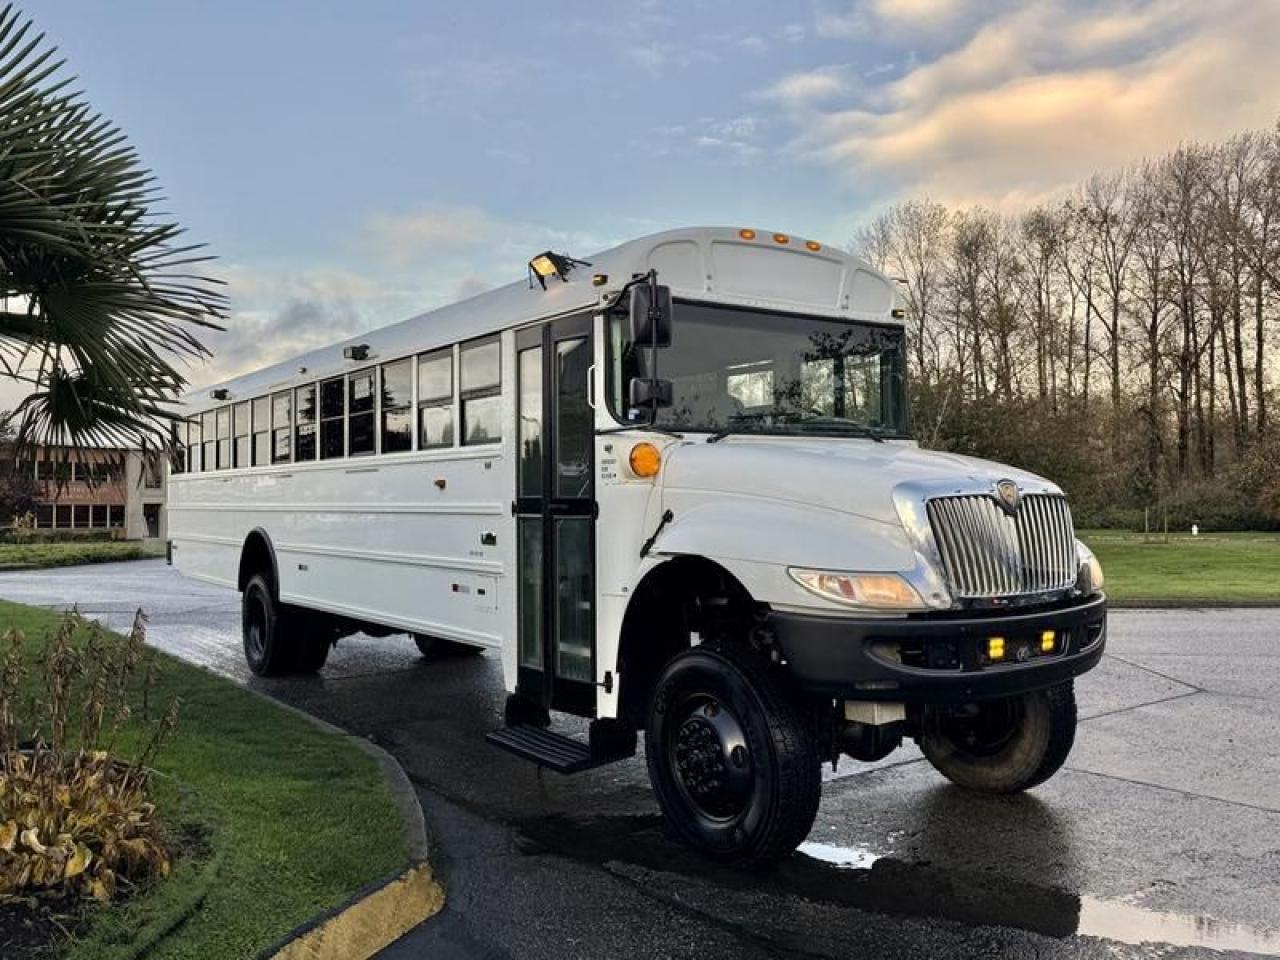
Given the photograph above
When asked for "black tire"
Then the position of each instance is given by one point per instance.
(438, 648)
(1008, 745)
(731, 756)
(263, 630)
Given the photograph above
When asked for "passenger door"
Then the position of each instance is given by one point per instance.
(555, 515)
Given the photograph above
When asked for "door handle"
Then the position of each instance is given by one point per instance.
(591, 386)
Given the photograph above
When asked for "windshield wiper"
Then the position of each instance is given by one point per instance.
(861, 429)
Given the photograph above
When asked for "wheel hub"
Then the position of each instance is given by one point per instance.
(712, 761)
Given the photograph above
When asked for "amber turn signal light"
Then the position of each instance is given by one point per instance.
(645, 460)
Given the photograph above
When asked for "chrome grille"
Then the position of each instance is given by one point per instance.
(988, 553)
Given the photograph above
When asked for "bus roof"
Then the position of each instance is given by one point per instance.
(714, 264)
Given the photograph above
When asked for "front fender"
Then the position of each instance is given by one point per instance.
(756, 541)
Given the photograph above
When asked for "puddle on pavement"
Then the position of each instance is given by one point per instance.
(842, 858)
(1116, 920)
(865, 880)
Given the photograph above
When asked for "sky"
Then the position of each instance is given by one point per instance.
(351, 164)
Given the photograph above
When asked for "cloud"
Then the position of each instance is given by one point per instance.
(650, 56)
(863, 19)
(1039, 96)
(809, 86)
(403, 239)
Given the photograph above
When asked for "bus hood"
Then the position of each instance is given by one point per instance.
(851, 476)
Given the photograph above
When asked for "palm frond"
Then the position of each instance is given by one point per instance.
(99, 296)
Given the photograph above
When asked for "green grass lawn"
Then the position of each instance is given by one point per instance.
(1214, 567)
(295, 820)
(14, 556)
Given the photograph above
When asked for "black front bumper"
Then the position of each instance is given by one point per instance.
(939, 658)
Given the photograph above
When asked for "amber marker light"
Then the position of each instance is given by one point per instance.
(645, 460)
(781, 238)
(747, 234)
(812, 245)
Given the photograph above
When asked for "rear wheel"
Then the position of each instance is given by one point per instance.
(262, 629)
(438, 648)
(1005, 745)
(731, 756)
(279, 639)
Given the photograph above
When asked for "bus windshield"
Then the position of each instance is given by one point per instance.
(748, 371)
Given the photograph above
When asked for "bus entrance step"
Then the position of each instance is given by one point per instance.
(552, 750)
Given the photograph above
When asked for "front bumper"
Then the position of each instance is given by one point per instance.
(939, 658)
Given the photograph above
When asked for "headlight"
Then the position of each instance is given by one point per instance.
(1089, 579)
(872, 591)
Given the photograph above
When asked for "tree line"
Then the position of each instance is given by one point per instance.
(1120, 340)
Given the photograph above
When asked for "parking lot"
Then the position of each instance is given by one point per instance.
(1161, 837)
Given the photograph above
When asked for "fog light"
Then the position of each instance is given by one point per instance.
(995, 648)
(1048, 640)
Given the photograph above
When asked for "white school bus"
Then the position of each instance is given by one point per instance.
(673, 488)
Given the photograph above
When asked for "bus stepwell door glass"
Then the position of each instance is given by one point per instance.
(281, 424)
(304, 435)
(530, 425)
(332, 408)
(361, 439)
(573, 419)
(224, 438)
(241, 428)
(573, 598)
(397, 406)
(435, 400)
(529, 563)
(209, 454)
(481, 384)
(262, 431)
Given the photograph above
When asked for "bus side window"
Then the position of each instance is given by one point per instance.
(304, 412)
(281, 427)
(193, 445)
(361, 438)
(209, 457)
(480, 385)
(224, 438)
(261, 431)
(332, 411)
(397, 406)
(240, 428)
(435, 400)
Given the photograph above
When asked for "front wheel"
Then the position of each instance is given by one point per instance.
(1005, 745)
(731, 756)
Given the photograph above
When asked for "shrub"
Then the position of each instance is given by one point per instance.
(76, 818)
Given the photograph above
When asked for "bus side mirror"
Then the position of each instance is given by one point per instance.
(650, 392)
(650, 315)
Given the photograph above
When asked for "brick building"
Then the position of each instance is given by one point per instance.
(117, 490)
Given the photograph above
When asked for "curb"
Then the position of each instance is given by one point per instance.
(382, 912)
(1191, 604)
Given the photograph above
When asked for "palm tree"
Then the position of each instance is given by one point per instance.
(100, 298)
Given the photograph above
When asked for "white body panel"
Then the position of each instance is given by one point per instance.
(398, 539)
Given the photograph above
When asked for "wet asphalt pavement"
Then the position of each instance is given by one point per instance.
(1160, 838)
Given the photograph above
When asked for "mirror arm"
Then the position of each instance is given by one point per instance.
(654, 315)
